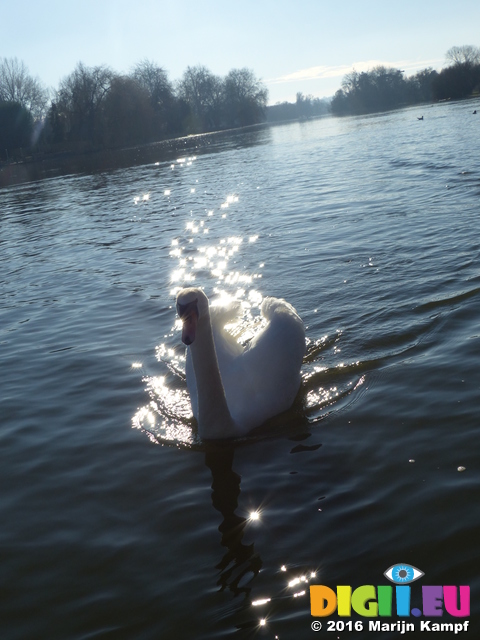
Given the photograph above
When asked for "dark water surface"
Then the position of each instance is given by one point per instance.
(116, 522)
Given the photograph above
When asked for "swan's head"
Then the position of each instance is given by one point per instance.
(192, 304)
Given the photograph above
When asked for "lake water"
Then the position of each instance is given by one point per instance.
(116, 521)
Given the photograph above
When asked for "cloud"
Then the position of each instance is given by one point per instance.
(322, 72)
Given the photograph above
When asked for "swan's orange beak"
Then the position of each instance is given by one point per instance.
(189, 315)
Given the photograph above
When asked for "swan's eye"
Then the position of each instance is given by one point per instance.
(403, 573)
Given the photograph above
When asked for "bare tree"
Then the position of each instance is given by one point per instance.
(245, 97)
(203, 91)
(17, 85)
(80, 100)
(350, 81)
(467, 55)
(155, 80)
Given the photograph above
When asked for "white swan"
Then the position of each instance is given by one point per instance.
(234, 388)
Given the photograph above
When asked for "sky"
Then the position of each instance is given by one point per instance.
(291, 45)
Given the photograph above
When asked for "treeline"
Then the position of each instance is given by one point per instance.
(303, 108)
(385, 88)
(95, 107)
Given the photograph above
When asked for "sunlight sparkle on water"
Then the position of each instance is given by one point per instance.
(222, 264)
(180, 274)
(229, 200)
(296, 581)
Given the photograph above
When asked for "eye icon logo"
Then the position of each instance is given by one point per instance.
(403, 573)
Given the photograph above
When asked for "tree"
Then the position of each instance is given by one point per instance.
(462, 77)
(456, 82)
(245, 98)
(154, 80)
(419, 86)
(16, 127)
(128, 116)
(380, 89)
(80, 101)
(55, 125)
(203, 92)
(282, 111)
(303, 107)
(466, 55)
(340, 105)
(17, 85)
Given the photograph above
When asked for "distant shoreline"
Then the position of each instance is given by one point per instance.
(44, 165)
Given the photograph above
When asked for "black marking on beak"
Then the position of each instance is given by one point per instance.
(184, 310)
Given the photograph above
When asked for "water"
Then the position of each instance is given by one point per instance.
(116, 521)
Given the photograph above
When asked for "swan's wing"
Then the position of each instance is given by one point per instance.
(221, 314)
(262, 380)
(265, 378)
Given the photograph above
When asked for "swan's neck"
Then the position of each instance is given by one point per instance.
(214, 419)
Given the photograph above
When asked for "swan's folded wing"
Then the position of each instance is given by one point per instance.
(270, 366)
(221, 314)
(262, 380)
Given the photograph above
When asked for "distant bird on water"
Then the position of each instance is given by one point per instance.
(475, 112)
(420, 118)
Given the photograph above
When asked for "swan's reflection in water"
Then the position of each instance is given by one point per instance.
(240, 559)
(286, 591)
(167, 419)
(261, 606)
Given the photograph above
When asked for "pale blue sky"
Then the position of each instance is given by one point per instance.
(292, 45)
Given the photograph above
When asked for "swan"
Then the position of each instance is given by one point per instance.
(235, 388)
